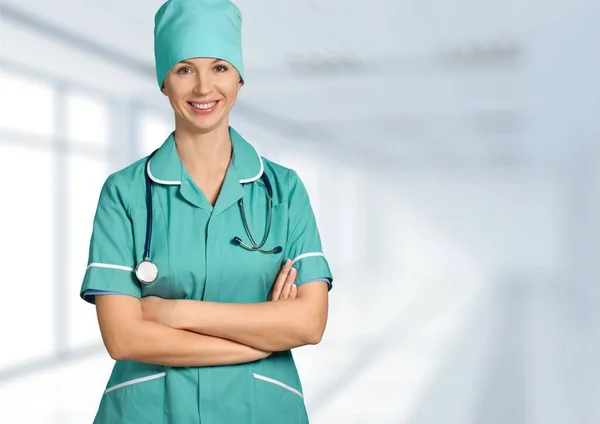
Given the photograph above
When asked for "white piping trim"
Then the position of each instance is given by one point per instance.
(279, 383)
(307, 255)
(166, 182)
(157, 180)
(262, 169)
(135, 381)
(111, 266)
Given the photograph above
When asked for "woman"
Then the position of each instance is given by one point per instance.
(200, 321)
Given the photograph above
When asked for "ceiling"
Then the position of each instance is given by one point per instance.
(392, 77)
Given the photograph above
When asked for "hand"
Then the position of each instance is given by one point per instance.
(159, 310)
(284, 287)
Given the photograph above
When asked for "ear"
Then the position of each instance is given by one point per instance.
(164, 90)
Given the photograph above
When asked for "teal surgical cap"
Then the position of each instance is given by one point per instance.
(185, 29)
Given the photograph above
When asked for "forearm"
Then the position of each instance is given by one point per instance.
(150, 342)
(270, 326)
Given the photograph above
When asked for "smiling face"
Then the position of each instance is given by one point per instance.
(202, 91)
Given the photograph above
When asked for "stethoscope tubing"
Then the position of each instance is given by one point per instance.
(236, 240)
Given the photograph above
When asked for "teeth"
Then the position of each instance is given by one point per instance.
(204, 105)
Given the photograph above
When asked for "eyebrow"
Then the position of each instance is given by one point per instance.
(190, 63)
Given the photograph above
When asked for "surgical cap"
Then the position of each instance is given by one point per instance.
(185, 29)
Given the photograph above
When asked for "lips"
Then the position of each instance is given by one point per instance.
(203, 107)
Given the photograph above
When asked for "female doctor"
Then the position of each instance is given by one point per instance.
(189, 264)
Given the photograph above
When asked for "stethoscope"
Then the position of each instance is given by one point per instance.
(147, 271)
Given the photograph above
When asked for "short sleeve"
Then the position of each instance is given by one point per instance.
(304, 245)
(111, 260)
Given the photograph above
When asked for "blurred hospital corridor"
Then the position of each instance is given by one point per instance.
(452, 155)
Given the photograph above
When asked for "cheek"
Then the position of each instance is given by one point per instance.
(175, 104)
(172, 99)
(176, 99)
(231, 94)
(229, 87)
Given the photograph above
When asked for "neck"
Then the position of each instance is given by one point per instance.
(204, 153)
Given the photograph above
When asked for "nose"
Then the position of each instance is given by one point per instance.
(204, 85)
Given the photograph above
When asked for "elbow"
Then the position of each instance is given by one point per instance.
(117, 350)
(121, 325)
(315, 331)
(314, 338)
(119, 346)
(117, 355)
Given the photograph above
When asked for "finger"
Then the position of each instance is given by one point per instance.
(280, 281)
(279, 285)
(293, 292)
(289, 282)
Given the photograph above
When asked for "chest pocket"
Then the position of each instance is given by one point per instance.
(159, 249)
(247, 275)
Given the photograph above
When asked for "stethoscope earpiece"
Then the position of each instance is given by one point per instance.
(238, 242)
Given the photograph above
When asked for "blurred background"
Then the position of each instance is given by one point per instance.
(451, 153)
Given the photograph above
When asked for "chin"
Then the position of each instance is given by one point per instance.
(205, 124)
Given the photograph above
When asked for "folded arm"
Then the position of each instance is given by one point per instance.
(269, 326)
(127, 336)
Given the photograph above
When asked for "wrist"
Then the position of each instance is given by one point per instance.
(187, 314)
(178, 314)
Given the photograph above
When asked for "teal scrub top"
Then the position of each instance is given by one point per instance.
(192, 247)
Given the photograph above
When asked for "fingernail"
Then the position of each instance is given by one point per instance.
(293, 270)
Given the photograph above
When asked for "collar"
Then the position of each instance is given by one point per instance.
(166, 167)
(246, 161)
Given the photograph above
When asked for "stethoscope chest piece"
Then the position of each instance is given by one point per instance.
(146, 272)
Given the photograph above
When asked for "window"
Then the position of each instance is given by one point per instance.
(28, 300)
(26, 106)
(154, 129)
(51, 196)
(83, 191)
(87, 120)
